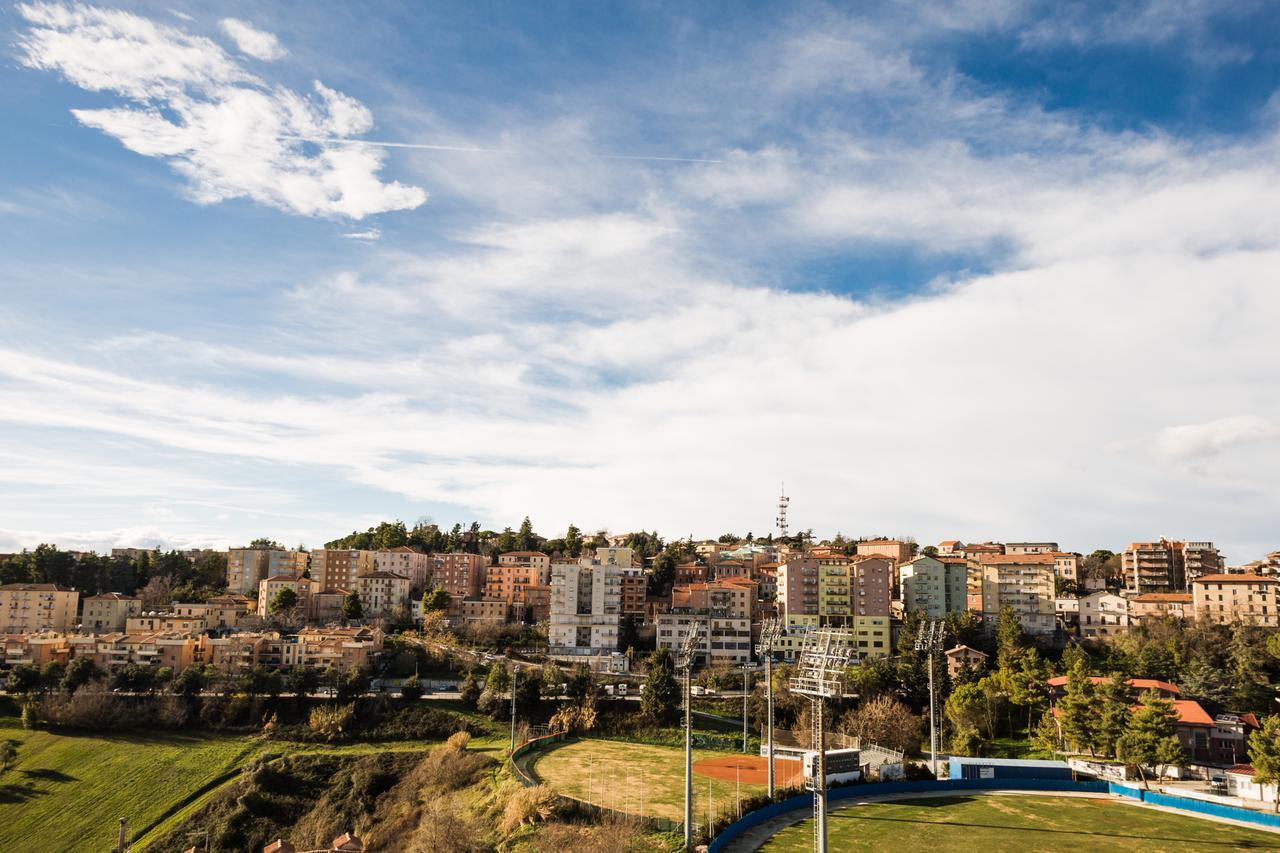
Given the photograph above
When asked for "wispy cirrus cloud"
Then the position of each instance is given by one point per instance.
(231, 134)
(253, 41)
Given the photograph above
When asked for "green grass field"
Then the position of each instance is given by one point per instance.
(631, 777)
(1022, 823)
(68, 792)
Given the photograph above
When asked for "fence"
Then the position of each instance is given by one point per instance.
(1269, 820)
(804, 802)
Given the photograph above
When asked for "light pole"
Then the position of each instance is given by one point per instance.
(515, 671)
(746, 692)
(820, 676)
(687, 652)
(769, 633)
(932, 634)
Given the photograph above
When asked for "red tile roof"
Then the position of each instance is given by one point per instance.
(1135, 683)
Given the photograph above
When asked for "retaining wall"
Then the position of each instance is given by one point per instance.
(1269, 820)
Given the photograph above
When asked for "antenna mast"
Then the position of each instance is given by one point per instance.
(783, 500)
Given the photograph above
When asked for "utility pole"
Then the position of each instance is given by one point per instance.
(687, 653)
(932, 635)
(820, 676)
(746, 692)
(769, 633)
(515, 671)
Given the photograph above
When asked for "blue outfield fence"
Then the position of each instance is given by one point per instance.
(1268, 820)
(880, 789)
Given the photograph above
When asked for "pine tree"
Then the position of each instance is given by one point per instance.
(1114, 697)
(1079, 711)
(1147, 740)
(1264, 754)
(661, 694)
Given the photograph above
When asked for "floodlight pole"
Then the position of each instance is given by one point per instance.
(746, 692)
(515, 670)
(931, 634)
(686, 660)
(769, 633)
(819, 675)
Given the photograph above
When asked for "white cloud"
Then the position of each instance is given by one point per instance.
(229, 133)
(252, 41)
(1207, 439)
(368, 235)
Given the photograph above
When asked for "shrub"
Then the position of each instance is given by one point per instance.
(458, 741)
(331, 721)
(530, 805)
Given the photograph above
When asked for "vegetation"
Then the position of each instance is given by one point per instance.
(660, 697)
(1025, 823)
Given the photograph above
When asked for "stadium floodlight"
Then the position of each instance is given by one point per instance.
(770, 631)
(932, 635)
(820, 671)
(688, 653)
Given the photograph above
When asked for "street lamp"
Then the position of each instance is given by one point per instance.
(820, 676)
(769, 633)
(932, 634)
(687, 653)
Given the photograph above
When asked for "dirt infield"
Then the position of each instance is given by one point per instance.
(754, 769)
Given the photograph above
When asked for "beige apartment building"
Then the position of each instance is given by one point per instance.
(339, 568)
(269, 588)
(1030, 547)
(246, 567)
(459, 574)
(407, 562)
(1158, 605)
(108, 611)
(164, 623)
(32, 607)
(1023, 582)
(589, 599)
(1167, 565)
(382, 593)
(1235, 598)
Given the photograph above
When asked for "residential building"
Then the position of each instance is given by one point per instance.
(951, 548)
(1168, 566)
(523, 578)
(1235, 598)
(1023, 582)
(1066, 566)
(1030, 547)
(936, 585)
(408, 562)
(246, 567)
(383, 593)
(798, 591)
(691, 572)
(1158, 605)
(723, 608)
(34, 649)
(107, 611)
(962, 656)
(1103, 614)
(587, 601)
(484, 609)
(325, 605)
(985, 549)
(270, 587)
(894, 549)
(153, 622)
(460, 574)
(1058, 686)
(32, 607)
(338, 568)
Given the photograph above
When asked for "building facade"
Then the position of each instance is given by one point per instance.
(33, 607)
(1235, 598)
(107, 612)
(1023, 582)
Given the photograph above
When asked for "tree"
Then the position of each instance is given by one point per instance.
(352, 609)
(1252, 689)
(1264, 755)
(284, 601)
(1045, 736)
(1147, 740)
(353, 684)
(264, 544)
(23, 678)
(435, 600)
(302, 681)
(8, 754)
(663, 575)
(526, 539)
(1010, 638)
(189, 682)
(469, 691)
(1113, 698)
(573, 541)
(80, 671)
(660, 697)
(411, 689)
(628, 633)
(1078, 712)
(885, 721)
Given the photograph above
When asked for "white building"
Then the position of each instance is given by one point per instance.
(587, 602)
(1103, 614)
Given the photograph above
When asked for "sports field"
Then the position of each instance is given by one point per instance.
(645, 779)
(1015, 822)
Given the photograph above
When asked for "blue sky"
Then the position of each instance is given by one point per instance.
(952, 270)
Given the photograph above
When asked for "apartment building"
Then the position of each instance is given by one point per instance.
(895, 550)
(962, 657)
(382, 593)
(175, 650)
(154, 622)
(687, 573)
(1167, 565)
(1103, 614)
(459, 574)
(108, 611)
(495, 610)
(951, 548)
(407, 562)
(1158, 605)
(798, 592)
(1066, 565)
(523, 578)
(1030, 547)
(1235, 598)
(338, 568)
(270, 587)
(34, 649)
(246, 567)
(1023, 582)
(870, 584)
(936, 585)
(723, 610)
(589, 599)
(32, 607)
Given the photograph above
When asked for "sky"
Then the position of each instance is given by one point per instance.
(951, 270)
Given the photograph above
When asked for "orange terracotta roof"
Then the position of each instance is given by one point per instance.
(1235, 579)
(1184, 597)
(1017, 559)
